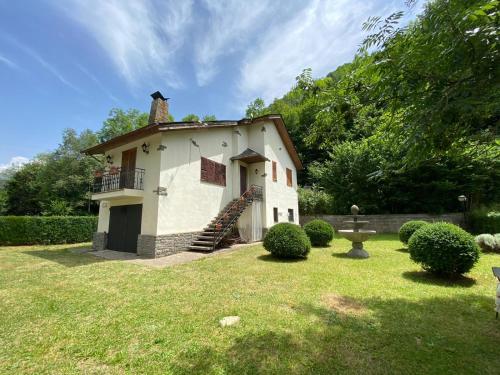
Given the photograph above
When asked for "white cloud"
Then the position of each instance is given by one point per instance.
(321, 36)
(44, 63)
(16, 161)
(229, 26)
(98, 83)
(271, 41)
(11, 64)
(140, 37)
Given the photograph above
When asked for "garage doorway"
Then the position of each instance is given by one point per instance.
(124, 227)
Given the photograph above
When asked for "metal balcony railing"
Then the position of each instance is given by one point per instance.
(117, 179)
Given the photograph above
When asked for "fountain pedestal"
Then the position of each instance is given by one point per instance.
(357, 235)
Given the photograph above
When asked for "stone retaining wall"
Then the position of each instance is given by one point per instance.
(384, 223)
(159, 246)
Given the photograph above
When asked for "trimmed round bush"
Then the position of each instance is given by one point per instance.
(408, 228)
(319, 232)
(286, 240)
(486, 242)
(443, 248)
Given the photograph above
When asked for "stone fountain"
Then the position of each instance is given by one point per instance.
(357, 235)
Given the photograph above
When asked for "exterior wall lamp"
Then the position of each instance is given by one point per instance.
(109, 159)
(145, 148)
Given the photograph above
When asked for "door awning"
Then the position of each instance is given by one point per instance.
(250, 156)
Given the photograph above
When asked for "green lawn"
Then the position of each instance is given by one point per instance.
(62, 312)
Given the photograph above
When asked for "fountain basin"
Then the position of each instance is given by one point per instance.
(356, 236)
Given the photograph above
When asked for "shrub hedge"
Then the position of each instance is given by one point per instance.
(484, 221)
(443, 248)
(286, 240)
(319, 232)
(408, 228)
(31, 230)
(314, 202)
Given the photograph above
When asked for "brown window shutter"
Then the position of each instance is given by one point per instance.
(275, 174)
(204, 169)
(213, 172)
(289, 181)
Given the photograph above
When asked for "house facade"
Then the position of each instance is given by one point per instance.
(171, 186)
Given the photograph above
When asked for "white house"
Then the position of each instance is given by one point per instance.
(171, 186)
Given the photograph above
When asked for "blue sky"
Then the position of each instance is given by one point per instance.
(66, 63)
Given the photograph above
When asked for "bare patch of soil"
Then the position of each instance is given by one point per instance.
(343, 305)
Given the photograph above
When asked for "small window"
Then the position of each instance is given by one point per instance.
(275, 173)
(275, 214)
(290, 215)
(289, 180)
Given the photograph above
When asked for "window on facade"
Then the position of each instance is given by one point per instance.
(275, 173)
(290, 215)
(275, 214)
(213, 172)
(289, 181)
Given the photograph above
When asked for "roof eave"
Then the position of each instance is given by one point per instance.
(177, 126)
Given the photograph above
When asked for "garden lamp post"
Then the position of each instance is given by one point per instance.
(463, 199)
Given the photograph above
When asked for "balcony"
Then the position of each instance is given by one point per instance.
(118, 183)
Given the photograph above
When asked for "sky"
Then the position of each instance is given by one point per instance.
(66, 63)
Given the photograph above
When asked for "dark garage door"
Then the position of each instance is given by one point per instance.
(124, 227)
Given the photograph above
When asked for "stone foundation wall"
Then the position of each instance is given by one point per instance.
(384, 223)
(99, 241)
(159, 246)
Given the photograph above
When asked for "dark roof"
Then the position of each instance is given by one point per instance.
(250, 156)
(158, 95)
(195, 125)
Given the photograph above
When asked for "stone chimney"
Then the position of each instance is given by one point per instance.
(159, 109)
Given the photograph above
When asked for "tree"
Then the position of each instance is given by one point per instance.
(3, 201)
(374, 174)
(441, 72)
(190, 118)
(209, 118)
(255, 108)
(120, 122)
(23, 190)
(57, 181)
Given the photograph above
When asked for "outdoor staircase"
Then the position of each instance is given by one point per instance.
(225, 221)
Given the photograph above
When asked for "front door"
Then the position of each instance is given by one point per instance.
(124, 227)
(243, 179)
(127, 173)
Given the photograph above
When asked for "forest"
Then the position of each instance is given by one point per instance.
(405, 127)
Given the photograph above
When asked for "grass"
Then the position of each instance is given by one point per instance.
(62, 312)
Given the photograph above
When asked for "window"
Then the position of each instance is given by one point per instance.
(275, 214)
(290, 215)
(213, 172)
(275, 173)
(289, 181)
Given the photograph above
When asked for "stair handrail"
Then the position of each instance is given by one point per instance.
(253, 192)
